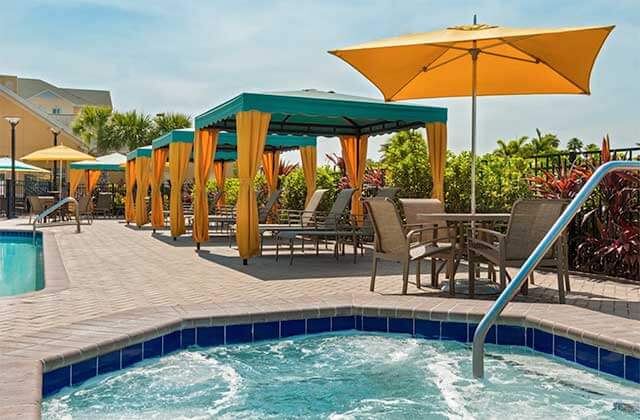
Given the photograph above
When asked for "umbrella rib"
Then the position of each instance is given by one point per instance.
(426, 69)
(548, 65)
(509, 57)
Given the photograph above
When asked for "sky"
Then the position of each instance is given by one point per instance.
(167, 56)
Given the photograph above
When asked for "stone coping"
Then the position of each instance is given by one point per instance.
(27, 358)
(55, 273)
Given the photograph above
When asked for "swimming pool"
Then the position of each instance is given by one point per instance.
(21, 263)
(347, 375)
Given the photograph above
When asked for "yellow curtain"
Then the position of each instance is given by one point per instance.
(93, 176)
(130, 177)
(354, 153)
(271, 167)
(218, 173)
(437, 142)
(75, 176)
(179, 154)
(204, 149)
(252, 128)
(143, 176)
(159, 159)
(309, 166)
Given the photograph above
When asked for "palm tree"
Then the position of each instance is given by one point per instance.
(92, 126)
(544, 144)
(575, 145)
(514, 147)
(165, 122)
(130, 129)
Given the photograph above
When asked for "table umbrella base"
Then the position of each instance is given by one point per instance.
(484, 287)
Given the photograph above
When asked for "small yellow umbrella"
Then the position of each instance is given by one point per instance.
(479, 59)
(59, 153)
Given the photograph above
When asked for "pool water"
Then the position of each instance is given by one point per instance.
(351, 375)
(21, 263)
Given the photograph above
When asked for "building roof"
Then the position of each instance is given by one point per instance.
(28, 88)
(31, 107)
(316, 113)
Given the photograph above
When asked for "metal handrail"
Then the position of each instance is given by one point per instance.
(541, 249)
(55, 207)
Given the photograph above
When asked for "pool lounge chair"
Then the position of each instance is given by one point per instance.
(333, 225)
(394, 243)
(295, 219)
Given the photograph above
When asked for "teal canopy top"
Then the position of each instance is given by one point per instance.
(111, 162)
(144, 151)
(228, 141)
(316, 113)
(225, 155)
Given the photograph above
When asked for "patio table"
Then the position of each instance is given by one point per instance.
(483, 286)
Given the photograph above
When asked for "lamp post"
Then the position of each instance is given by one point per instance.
(55, 132)
(11, 201)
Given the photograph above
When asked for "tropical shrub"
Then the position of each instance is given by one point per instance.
(406, 164)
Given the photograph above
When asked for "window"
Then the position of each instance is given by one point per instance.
(56, 110)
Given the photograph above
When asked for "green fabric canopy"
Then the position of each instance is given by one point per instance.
(316, 113)
(144, 151)
(228, 141)
(111, 162)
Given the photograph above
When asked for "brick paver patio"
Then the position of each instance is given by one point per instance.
(113, 267)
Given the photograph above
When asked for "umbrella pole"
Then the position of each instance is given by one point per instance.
(474, 81)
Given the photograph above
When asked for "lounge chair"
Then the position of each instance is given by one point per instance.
(394, 243)
(104, 204)
(388, 192)
(35, 206)
(530, 220)
(295, 219)
(332, 225)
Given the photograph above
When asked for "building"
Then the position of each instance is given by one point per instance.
(62, 104)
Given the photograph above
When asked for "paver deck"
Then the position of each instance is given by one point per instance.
(113, 268)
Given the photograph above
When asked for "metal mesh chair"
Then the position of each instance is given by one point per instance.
(530, 220)
(394, 243)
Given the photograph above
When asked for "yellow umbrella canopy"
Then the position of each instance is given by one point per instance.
(60, 152)
(479, 60)
(510, 61)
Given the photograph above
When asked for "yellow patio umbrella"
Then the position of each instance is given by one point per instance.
(479, 60)
(59, 153)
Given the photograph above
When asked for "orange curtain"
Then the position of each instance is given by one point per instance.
(204, 149)
(93, 176)
(251, 128)
(130, 178)
(309, 168)
(143, 176)
(75, 176)
(271, 167)
(437, 143)
(179, 154)
(354, 153)
(218, 173)
(159, 158)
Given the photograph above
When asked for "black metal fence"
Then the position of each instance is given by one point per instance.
(559, 164)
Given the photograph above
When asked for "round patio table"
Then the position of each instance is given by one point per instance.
(483, 286)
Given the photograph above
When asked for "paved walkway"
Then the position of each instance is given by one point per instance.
(113, 267)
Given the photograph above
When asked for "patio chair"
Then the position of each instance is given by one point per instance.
(411, 207)
(266, 211)
(85, 208)
(293, 219)
(394, 243)
(35, 206)
(104, 204)
(530, 220)
(331, 225)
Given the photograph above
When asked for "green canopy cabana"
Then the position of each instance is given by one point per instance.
(225, 150)
(314, 113)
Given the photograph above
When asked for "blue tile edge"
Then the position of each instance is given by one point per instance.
(585, 355)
